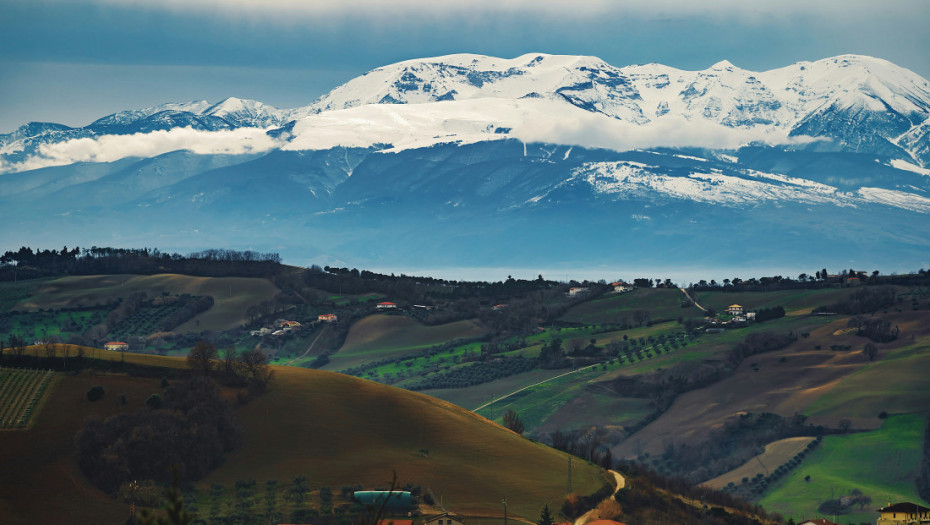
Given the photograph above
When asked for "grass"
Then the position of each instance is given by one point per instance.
(383, 336)
(340, 430)
(882, 464)
(39, 325)
(661, 303)
(232, 295)
(13, 292)
(795, 302)
(776, 454)
(895, 384)
(335, 429)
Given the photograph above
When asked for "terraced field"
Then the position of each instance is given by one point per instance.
(21, 391)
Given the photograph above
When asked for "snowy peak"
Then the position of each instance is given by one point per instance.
(723, 65)
(586, 82)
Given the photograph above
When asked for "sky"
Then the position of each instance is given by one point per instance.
(73, 61)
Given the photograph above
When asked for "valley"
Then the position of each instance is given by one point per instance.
(642, 377)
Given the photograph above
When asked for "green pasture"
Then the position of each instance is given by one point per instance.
(793, 301)
(38, 325)
(661, 303)
(881, 463)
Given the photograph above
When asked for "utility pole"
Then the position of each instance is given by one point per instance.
(504, 501)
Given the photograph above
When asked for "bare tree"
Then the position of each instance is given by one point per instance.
(201, 357)
(513, 422)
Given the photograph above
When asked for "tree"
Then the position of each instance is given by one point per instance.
(201, 357)
(545, 517)
(870, 350)
(95, 393)
(513, 422)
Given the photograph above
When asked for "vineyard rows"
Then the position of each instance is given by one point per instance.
(20, 392)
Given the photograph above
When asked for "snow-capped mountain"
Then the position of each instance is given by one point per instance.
(830, 157)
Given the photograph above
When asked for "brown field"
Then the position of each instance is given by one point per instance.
(231, 295)
(333, 428)
(776, 454)
(782, 387)
(41, 482)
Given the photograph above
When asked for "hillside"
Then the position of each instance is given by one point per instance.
(335, 429)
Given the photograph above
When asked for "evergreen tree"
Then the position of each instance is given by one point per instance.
(545, 517)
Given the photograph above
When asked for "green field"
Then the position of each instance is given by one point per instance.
(661, 303)
(794, 301)
(232, 295)
(382, 336)
(881, 463)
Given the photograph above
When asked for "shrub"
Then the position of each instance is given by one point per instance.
(95, 393)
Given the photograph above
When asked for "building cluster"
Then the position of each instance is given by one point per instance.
(278, 328)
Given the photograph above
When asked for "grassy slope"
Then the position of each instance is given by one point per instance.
(895, 384)
(783, 387)
(232, 295)
(661, 303)
(886, 473)
(776, 454)
(340, 430)
(794, 301)
(333, 428)
(382, 336)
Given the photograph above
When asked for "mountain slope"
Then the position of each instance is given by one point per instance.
(826, 158)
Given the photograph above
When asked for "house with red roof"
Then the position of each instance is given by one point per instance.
(386, 305)
(116, 345)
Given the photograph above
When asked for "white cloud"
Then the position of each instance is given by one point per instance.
(758, 10)
(107, 148)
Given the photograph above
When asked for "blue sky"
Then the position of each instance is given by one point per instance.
(72, 61)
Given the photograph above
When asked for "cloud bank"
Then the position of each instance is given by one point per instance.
(108, 148)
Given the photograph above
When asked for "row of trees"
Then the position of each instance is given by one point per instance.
(249, 368)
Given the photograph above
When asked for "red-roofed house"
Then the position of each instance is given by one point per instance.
(327, 318)
(386, 305)
(390, 521)
(116, 345)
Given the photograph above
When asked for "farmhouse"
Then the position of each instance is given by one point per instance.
(446, 518)
(735, 309)
(576, 291)
(621, 287)
(116, 345)
(498, 307)
(327, 318)
(905, 513)
(386, 306)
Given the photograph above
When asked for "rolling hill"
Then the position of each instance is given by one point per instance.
(335, 429)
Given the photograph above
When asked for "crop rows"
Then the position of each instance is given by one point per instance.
(144, 322)
(20, 392)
